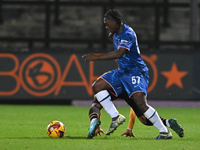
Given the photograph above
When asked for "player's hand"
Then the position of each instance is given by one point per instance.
(99, 131)
(128, 133)
(90, 57)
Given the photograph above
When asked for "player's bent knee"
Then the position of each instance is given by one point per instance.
(99, 85)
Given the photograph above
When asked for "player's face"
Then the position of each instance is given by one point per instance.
(111, 25)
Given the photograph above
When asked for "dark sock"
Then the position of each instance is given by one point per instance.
(94, 112)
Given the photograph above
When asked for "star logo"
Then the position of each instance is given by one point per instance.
(174, 76)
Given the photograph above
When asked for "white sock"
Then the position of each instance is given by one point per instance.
(105, 100)
(93, 119)
(167, 123)
(152, 115)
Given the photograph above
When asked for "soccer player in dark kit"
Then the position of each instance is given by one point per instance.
(131, 77)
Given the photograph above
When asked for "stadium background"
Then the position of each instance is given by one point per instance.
(41, 44)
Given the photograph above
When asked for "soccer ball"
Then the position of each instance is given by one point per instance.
(56, 129)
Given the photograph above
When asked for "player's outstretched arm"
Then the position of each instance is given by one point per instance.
(105, 56)
(132, 118)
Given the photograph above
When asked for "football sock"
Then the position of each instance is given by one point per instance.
(94, 112)
(165, 122)
(105, 100)
(152, 115)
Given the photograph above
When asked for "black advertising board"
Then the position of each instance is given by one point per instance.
(66, 76)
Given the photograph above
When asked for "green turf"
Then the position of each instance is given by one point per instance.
(23, 127)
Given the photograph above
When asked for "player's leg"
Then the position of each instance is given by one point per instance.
(138, 111)
(174, 125)
(94, 116)
(134, 112)
(95, 109)
(100, 88)
(136, 85)
(95, 113)
(151, 114)
(171, 123)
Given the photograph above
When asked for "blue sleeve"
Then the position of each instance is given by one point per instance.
(126, 41)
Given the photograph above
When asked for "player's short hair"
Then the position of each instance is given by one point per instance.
(114, 14)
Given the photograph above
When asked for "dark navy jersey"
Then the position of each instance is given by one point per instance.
(131, 59)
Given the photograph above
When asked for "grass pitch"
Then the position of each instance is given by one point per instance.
(23, 127)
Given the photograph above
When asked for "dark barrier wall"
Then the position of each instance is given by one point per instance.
(173, 76)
